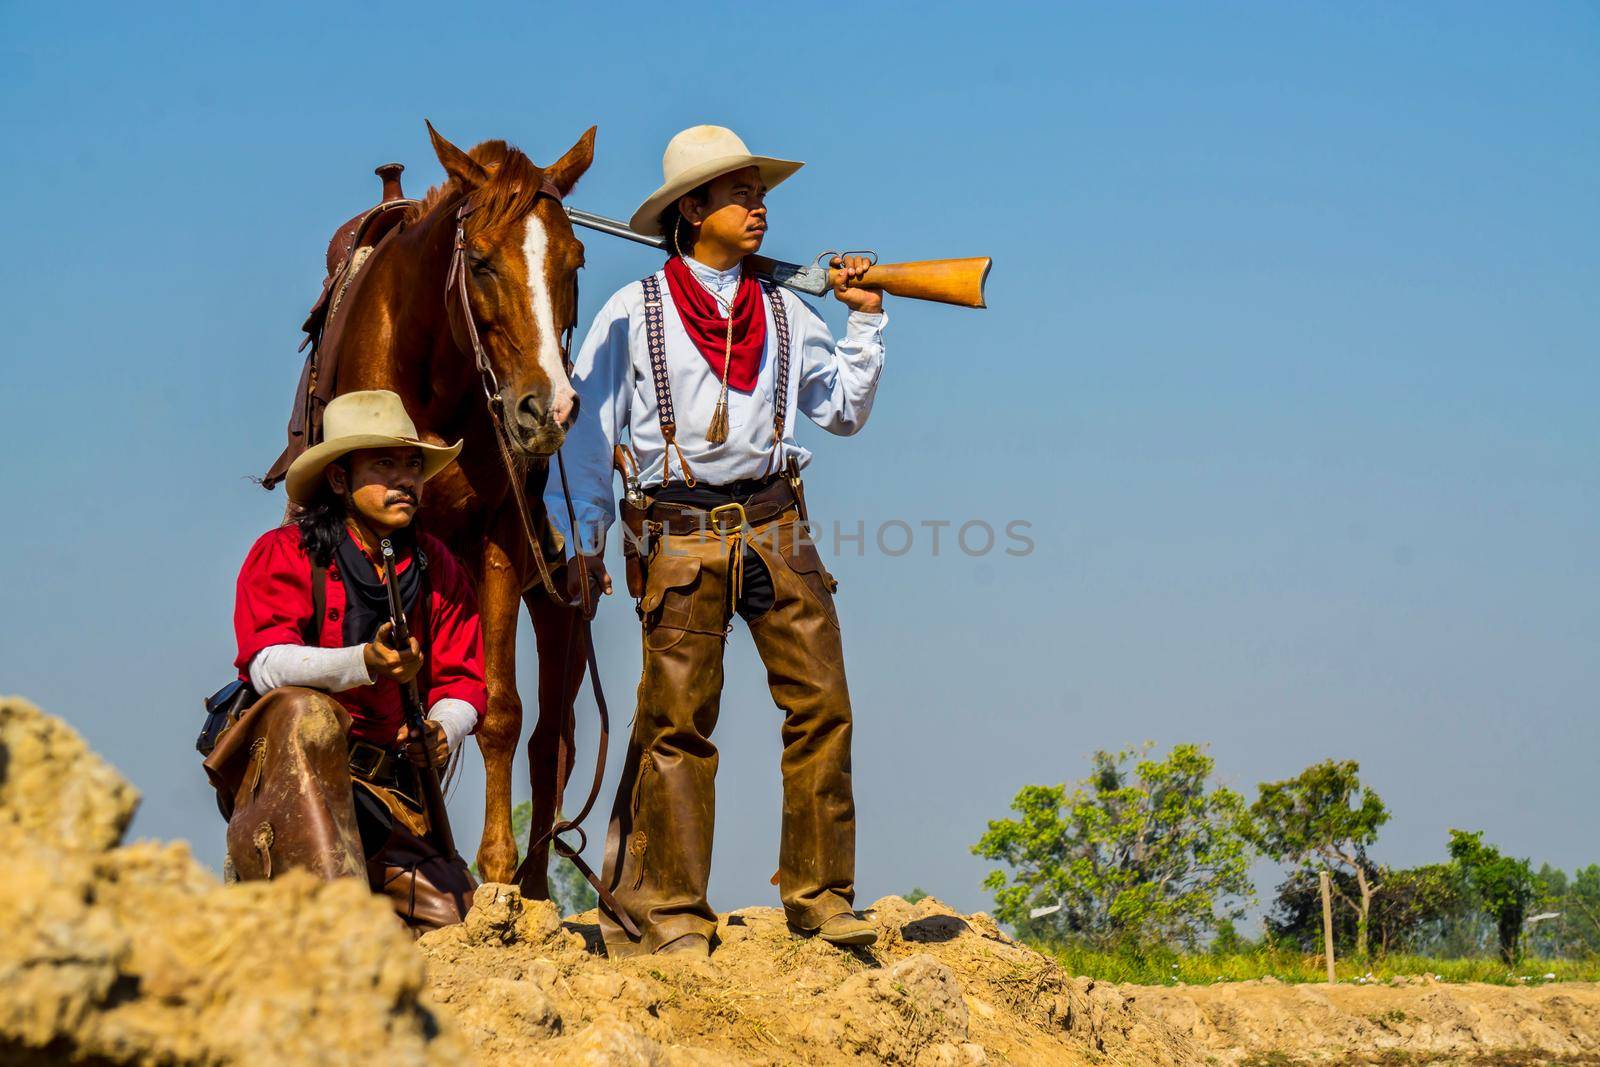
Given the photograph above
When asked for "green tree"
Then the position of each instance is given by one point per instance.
(1575, 932)
(1324, 816)
(1229, 941)
(1145, 854)
(1505, 887)
(1415, 912)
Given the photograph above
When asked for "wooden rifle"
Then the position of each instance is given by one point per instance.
(947, 281)
(439, 834)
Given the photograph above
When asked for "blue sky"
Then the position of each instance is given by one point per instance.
(1290, 363)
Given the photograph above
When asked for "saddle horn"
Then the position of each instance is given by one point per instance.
(390, 173)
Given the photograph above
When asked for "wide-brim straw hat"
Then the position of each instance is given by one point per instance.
(369, 418)
(693, 158)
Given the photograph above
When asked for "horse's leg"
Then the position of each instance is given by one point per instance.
(498, 594)
(550, 745)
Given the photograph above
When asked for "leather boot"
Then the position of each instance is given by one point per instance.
(849, 930)
(687, 945)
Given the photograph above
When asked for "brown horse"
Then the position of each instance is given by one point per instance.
(400, 329)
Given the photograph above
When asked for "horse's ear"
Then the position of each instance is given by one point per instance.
(565, 172)
(460, 166)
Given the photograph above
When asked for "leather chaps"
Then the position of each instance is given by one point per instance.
(283, 779)
(658, 849)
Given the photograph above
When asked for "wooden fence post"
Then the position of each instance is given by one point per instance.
(1327, 923)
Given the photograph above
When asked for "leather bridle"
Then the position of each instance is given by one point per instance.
(516, 474)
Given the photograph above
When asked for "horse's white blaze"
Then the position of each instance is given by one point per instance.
(535, 250)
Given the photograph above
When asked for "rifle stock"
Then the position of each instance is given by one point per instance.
(947, 281)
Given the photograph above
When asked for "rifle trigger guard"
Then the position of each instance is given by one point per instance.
(823, 259)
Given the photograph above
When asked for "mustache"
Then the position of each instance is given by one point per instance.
(396, 496)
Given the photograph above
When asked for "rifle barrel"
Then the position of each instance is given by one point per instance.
(411, 705)
(614, 227)
(812, 280)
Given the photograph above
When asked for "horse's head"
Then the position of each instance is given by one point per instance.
(522, 261)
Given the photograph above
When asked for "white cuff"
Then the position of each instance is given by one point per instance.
(457, 717)
(333, 670)
(862, 326)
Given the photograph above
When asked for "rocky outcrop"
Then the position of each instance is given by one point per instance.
(138, 955)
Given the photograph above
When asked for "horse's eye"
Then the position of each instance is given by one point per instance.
(480, 264)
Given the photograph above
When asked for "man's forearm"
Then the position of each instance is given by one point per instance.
(333, 670)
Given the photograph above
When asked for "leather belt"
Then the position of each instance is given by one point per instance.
(760, 507)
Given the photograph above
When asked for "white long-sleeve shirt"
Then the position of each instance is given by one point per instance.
(831, 384)
(333, 670)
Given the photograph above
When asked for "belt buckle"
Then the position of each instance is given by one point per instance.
(736, 509)
(368, 760)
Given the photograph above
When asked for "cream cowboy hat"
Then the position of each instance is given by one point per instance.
(370, 418)
(693, 158)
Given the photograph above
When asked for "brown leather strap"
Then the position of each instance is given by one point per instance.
(762, 507)
(516, 470)
(574, 824)
(457, 280)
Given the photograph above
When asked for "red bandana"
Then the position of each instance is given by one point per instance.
(702, 320)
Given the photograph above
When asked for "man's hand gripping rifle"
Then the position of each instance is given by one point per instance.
(439, 834)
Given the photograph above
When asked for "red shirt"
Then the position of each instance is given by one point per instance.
(273, 607)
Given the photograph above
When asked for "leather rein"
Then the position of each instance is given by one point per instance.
(516, 474)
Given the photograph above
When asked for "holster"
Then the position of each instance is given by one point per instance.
(635, 547)
(791, 474)
(224, 708)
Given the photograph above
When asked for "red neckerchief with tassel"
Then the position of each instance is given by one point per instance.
(731, 345)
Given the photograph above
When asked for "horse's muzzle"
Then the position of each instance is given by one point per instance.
(539, 424)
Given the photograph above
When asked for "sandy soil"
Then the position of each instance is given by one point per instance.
(1410, 1021)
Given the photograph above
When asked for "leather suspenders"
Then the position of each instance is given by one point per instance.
(655, 334)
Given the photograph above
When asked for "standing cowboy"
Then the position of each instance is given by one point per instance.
(706, 370)
(321, 773)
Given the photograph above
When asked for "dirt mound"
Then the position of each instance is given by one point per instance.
(938, 989)
(1412, 1021)
(138, 955)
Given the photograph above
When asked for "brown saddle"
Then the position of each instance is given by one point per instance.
(352, 244)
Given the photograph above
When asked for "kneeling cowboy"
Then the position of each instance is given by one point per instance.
(704, 368)
(320, 773)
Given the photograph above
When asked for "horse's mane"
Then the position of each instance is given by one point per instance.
(513, 186)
